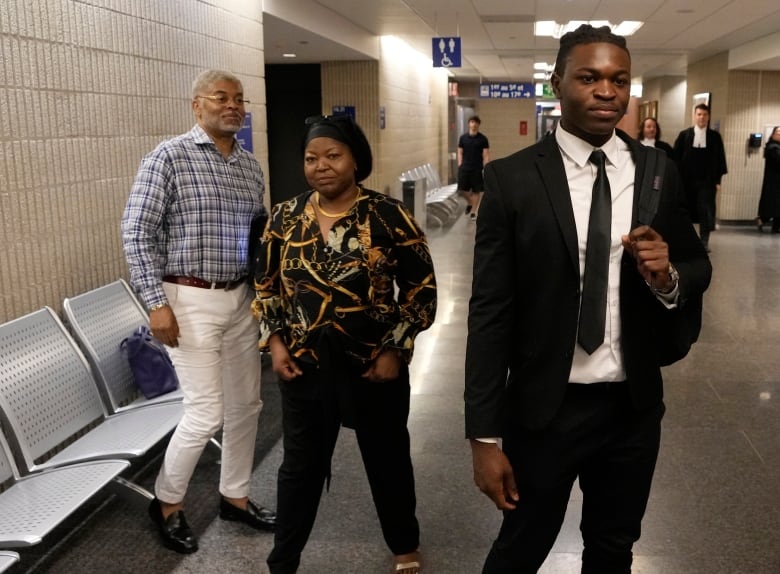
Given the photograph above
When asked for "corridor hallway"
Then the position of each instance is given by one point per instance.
(715, 502)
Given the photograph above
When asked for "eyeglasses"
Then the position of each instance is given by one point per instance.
(223, 99)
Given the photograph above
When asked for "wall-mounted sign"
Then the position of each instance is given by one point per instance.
(344, 111)
(523, 128)
(244, 135)
(507, 90)
(446, 52)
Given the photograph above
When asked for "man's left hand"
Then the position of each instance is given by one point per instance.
(651, 253)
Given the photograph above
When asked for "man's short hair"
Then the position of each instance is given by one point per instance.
(207, 77)
(475, 119)
(585, 34)
(704, 107)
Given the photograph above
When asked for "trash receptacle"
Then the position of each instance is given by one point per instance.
(407, 188)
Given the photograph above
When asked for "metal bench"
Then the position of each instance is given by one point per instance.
(99, 320)
(442, 205)
(7, 559)
(51, 408)
(32, 505)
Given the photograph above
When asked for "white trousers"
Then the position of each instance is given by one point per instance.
(218, 366)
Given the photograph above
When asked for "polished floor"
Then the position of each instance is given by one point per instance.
(715, 503)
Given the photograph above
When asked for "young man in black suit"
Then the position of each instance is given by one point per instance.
(701, 159)
(541, 410)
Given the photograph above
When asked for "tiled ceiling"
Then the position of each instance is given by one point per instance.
(497, 37)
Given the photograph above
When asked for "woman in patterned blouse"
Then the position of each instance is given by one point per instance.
(340, 338)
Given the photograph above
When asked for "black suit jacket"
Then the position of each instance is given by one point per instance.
(525, 297)
(715, 156)
(665, 147)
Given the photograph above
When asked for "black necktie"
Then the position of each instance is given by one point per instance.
(593, 306)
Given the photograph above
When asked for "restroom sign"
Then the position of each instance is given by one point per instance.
(446, 52)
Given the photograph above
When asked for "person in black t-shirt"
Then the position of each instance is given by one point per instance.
(473, 154)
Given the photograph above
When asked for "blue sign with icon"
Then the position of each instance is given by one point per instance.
(344, 111)
(507, 90)
(446, 52)
(244, 135)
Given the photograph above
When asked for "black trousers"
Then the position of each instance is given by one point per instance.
(313, 406)
(705, 208)
(596, 437)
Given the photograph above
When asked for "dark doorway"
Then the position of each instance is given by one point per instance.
(293, 93)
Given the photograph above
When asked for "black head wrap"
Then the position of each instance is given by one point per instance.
(345, 130)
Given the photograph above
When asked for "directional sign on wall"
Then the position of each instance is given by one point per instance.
(244, 135)
(507, 90)
(446, 52)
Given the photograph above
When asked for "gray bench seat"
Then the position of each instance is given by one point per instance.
(51, 408)
(31, 506)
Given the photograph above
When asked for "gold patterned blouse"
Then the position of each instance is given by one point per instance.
(344, 288)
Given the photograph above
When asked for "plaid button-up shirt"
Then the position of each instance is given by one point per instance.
(189, 213)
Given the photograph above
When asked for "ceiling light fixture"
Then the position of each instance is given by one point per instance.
(556, 30)
(289, 55)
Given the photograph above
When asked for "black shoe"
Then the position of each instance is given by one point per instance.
(255, 516)
(174, 531)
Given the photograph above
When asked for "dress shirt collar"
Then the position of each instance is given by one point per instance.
(699, 137)
(200, 137)
(579, 150)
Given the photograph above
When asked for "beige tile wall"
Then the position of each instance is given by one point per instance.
(742, 102)
(414, 96)
(501, 124)
(88, 87)
(753, 104)
(671, 95)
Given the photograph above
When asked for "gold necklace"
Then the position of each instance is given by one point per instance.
(333, 215)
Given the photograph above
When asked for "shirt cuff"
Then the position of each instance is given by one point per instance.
(489, 440)
(669, 299)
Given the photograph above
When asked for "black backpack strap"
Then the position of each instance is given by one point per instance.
(652, 181)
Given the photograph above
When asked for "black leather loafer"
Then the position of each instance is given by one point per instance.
(174, 531)
(255, 516)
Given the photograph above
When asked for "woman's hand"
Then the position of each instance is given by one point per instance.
(282, 362)
(385, 367)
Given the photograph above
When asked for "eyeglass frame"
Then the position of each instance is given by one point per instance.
(238, 100)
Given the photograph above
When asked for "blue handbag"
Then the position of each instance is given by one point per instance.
(150, 363)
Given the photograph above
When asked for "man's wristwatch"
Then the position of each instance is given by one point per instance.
(674, 278)
(157, 307)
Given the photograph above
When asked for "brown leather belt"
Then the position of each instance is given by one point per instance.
(203, 284)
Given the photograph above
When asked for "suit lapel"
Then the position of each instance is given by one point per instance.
(553, 174)
(639, 156)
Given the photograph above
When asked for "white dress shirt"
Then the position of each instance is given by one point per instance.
(606, 362)
(699, 137)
